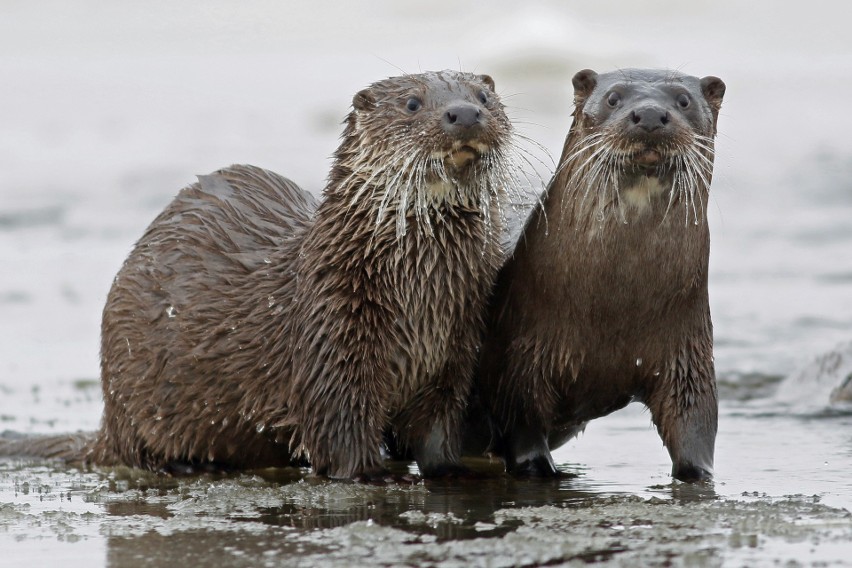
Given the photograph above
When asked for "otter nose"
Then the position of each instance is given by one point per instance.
(461, 117)
(649, 118)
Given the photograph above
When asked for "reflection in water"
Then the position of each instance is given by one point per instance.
(273, 513)
(294, 499)
(683, 493)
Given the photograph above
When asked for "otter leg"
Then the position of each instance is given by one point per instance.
(429, 427)
(527, 452)
(437, 452)
(342, 412)
(684, 408)
(346, 442)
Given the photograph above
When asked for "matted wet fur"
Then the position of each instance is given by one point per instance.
(253, 327)
(604, 300)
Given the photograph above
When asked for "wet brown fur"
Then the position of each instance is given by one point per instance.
(250, 326)
(604, 301)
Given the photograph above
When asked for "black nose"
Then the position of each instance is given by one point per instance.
(650, 118)
(461, 117)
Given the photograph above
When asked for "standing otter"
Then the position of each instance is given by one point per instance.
(605, 298)
(250, 324)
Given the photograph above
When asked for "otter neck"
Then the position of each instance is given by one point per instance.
(643, 193)
(614, 193)
(397, 202)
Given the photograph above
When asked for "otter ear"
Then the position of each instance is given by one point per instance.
(364, 100)
(713, 89)
(584, 82)
(488, 81)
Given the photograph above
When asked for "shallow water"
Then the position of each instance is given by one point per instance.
(107, 112)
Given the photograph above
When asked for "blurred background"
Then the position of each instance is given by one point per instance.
(107, 109)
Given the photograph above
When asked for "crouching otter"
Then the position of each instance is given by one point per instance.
(604, 300)
(251, 326)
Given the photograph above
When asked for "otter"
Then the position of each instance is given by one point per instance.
(251, 326)
(604, 300)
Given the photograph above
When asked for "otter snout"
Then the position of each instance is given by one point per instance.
(462, 120)
(649, 118)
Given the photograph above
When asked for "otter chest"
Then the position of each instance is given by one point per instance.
(440, 309)
(641, 196)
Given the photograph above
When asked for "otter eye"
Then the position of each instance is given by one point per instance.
(413, 104)
(483, 97)
(613, 99)
(683, 100)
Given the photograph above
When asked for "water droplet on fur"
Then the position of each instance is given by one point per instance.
(657, 374)
(267, 261)
(260, 427)
(271, 300)
(171, 312)
(639, 362)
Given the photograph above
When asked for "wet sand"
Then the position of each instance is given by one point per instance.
(774, 502)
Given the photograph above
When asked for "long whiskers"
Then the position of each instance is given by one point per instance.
(598, 165)
(417, 188)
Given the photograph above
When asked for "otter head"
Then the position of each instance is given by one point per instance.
(424, 141)
(449, 118)
(637, 123)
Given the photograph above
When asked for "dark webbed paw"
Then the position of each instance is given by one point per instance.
(538, 466)
(691, 473)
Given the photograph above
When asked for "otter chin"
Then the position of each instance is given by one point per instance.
(462, 154)
(462, 157)
(647, 158)
(604, 300)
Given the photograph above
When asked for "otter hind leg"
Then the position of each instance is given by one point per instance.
(527, 453)
(429, 428)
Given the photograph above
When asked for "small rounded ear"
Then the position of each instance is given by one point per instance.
(488, 81)
(713, 89)
(364, 100)
(584, 82)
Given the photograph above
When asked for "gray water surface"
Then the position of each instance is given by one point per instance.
(107, 110)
